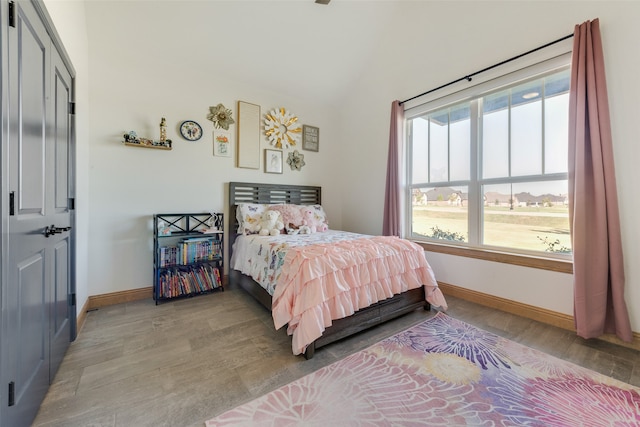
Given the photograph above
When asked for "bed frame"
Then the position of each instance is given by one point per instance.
(240, 192)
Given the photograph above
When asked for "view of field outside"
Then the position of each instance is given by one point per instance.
(520, 220)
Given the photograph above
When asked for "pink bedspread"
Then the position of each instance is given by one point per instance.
(325, 282)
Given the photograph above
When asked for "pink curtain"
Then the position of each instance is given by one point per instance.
(598, 273)
(391, 219)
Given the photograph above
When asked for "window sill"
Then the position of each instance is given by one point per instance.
(559, 266)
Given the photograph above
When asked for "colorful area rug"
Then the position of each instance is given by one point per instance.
(444, 372)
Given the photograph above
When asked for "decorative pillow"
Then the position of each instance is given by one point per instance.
(249, 216)
(320, 214)
(290, 215)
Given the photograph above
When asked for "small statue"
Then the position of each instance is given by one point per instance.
(163, 130)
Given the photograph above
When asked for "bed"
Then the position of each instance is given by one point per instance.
(412, 296)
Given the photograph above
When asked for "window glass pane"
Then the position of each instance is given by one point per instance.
(495, 135)
(419, 149)
(460, 142)
(556, 127)
(439, 147)
(530, 216)
(526, 137)
(440, 213)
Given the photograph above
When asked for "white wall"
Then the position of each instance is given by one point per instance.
(142, 69)
(432, 43)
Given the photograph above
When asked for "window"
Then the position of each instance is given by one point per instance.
(489, 170)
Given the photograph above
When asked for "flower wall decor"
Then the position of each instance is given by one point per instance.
(295, 160)
(220, 116)
(282, 128)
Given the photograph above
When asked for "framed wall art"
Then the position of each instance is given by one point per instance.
(248, 144)
(272, 161)
(222, 143)
(310, 138)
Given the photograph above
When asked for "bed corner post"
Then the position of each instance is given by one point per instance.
(310, 351)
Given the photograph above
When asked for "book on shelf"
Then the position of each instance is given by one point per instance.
(190, 251)
(174, 283)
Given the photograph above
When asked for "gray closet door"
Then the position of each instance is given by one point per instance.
(36, 329)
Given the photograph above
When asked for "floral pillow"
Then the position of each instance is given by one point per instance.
(290, 214)
(248, 216)
(320, 214)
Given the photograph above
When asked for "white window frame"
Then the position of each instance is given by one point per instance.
(490, 83)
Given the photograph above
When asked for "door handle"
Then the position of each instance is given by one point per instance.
(52, 229)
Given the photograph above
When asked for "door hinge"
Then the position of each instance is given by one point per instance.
(12, 14)
(12, 203)
(73, 299)
(72, 203)
(72, 108)
(12, 393)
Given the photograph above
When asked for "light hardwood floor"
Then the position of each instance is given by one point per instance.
(183, 362)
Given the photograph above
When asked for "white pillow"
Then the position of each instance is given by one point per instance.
(248, 216)
(320, 214)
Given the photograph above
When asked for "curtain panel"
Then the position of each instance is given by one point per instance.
(391, 223)
(599, 305)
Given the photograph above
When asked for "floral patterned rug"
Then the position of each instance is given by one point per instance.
(444, 372)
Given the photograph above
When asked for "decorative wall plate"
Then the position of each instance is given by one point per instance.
(190, 130)
(282, 128)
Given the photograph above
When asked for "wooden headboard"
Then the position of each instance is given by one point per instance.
(243, 192)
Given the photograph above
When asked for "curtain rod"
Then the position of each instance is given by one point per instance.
(469, 76)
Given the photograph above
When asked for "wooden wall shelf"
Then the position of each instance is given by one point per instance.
(157, 147)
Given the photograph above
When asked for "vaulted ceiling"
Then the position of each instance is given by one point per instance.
(297, 47)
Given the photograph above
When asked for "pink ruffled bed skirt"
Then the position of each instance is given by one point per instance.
(325, 282)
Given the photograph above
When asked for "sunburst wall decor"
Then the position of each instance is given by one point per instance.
(282, 128)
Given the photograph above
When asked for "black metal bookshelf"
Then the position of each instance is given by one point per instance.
(188, 252)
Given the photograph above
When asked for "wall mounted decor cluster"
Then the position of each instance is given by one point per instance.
(281, 129)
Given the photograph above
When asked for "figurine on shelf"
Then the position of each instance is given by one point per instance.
(131, 137)
(163, 230)
(210, 223)
(163, 130)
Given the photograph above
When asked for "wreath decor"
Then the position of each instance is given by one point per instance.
(282, 128)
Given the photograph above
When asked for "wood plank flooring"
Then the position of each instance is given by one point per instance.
(183, 362)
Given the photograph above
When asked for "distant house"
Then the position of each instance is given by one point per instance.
(527, 199)
(447, 196)
(492, 198)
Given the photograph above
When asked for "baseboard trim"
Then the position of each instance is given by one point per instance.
(548, 317)
(82, 316)
(542, 315)
(103, 300)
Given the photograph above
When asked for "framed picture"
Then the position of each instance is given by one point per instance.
(310, 138)
(248, 134)
(222, 143)
(272, 161)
